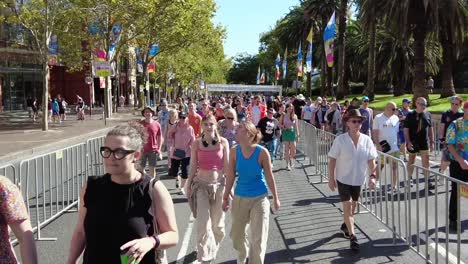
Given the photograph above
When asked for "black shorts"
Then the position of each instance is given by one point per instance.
(183, 164)
(419, 147)
(347, 192)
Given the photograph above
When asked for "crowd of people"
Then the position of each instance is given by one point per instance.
(57, 108)
(129, 214)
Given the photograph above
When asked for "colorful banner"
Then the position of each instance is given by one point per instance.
(151, 68)
(277, 65)
(299, 60)
(285, 63)
(100, 55)
(139, 60)
(154, 50)
(259, 73)
(309, 51)
(328, 38)
(262, 77)
(52, 56)
(115, 37)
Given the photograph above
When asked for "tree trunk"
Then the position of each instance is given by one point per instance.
(329, 91)
(419, 74)
(370, 86)
(342, 49)
(323, 76)
(347, 71)
(45, 96)
(448, 89)
(309, 84)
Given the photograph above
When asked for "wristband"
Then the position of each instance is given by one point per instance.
(157, 241)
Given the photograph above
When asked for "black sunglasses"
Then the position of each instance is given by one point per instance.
(119, 153)
(230, 118)
(181, 117)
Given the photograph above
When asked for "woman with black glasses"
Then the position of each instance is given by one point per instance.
(114, 219)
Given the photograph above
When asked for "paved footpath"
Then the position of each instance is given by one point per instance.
(305, 230)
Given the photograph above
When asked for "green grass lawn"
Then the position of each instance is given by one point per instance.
(380, 100)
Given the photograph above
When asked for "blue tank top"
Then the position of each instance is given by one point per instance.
(251, 177)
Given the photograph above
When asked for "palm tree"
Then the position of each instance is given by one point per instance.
(453, 17)
(342, 91)
(414, 18)
(321, 11)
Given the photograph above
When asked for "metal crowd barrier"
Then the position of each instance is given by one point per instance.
(51, 184)
(435, 126)
(9, 171)
(387, 202)
(432, 238)
(416, 216)
(95, 163)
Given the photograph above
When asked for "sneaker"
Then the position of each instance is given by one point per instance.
(353, 243)
(344, 229)
(177, 183)
(288, 168)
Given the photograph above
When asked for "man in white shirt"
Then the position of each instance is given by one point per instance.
(307, 111)
(357, 149)
(385, 136)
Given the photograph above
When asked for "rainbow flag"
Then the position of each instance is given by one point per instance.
(328, 38)
(299, 60)
(277, 65)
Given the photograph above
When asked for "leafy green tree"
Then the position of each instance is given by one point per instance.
(244, 69)
(453, 19)
(42, 19)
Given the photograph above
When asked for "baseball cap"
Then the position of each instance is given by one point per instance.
(271, 110)
(406, 100)
(182, 114)
(164, 102)
(365, 98)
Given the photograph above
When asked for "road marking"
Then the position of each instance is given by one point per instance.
(442, 251)
(185, 241)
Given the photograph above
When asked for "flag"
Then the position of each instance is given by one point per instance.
(309, 51)
(262, 77)
(139, 60)
(299, 60)
(285, 62)
(115, 37)
(154, 50)
(258, 75)
(328, 38)
(151, 68)
(277, 64)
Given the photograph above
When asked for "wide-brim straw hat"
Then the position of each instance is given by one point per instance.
(300, 97)
(147, 108)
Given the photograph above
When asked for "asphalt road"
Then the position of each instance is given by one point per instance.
(305, 230)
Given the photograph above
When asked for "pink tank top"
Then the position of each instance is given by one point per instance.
(210, 159)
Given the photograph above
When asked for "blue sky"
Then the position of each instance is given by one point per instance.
(245, 20)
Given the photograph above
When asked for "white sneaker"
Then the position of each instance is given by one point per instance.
(288, 168)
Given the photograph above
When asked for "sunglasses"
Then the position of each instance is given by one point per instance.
(422, 104)
(455, 104)
(119, 153)
(356, 121)
(393, 109)
(365, 101)
(163, 105)
(181, 117)
(230, 118)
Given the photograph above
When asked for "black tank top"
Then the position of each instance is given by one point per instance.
(116, 214)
